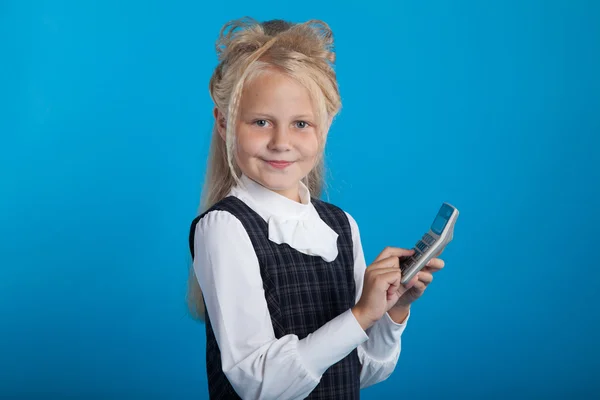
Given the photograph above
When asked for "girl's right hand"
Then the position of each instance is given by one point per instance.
(382, 287)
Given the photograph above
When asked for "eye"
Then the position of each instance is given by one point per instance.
(261, 123)
(301, 124)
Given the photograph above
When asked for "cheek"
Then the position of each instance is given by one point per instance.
(311, 148)
(247, 144)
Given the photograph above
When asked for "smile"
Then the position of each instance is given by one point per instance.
(278, 163)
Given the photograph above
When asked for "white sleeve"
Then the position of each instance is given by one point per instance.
(258, 365)
(380, 353)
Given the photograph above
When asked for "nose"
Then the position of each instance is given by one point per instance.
(280, 140)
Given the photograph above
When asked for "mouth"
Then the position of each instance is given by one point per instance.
(279, 164)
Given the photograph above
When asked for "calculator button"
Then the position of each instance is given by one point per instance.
(429, 239)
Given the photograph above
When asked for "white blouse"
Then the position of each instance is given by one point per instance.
(258, 365)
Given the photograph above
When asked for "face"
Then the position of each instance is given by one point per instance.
(277, 142)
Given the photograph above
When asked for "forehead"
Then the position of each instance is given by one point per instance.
(275, 92)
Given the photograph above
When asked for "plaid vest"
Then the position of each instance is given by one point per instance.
(302, 292)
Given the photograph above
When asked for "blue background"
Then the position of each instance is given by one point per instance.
(105, 121)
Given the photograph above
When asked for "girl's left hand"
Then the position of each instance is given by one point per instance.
(424, 276)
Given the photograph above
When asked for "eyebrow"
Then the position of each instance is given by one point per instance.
(268, 116)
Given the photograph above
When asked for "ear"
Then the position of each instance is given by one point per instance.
(221, 122)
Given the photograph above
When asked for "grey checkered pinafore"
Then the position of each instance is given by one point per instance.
(303, 293)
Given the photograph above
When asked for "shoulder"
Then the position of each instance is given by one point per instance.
(217, 227)
(353, 223)
(216, 220)
(215, 233)
(221, 213)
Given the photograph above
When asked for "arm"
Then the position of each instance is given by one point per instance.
(380, 353)
(258, 365)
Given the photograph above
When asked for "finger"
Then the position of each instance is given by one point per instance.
(412, 282)
(381, 271)
(386, 279)
(419, 287)
(430, 270)
(425, 277)
(394, 252)
(436, 264)
(392, 289)
(388, 262)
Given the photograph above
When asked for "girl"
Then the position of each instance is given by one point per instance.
(291, 310)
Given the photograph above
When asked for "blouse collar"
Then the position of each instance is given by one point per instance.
(278, 205)
(296, 223)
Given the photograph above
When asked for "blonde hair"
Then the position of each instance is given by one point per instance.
(245, 49)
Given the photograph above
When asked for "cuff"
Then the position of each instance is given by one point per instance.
(331, 343)
(399, 326)
(384, 338)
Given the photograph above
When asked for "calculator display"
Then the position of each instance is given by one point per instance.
(441, 219)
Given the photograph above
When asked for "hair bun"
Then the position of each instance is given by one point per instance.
(276, 26)
(313, 38)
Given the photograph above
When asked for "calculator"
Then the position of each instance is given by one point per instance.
(432, 243)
